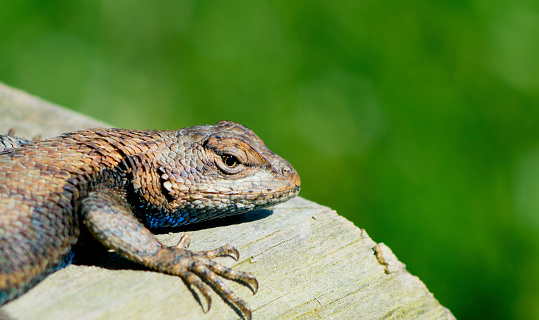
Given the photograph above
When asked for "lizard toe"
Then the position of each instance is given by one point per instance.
(223, 251)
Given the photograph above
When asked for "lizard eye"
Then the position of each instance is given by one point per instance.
(230, 160)
(229, 164)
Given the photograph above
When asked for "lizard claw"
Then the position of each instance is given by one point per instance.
(192, 279)
(198, 270)
(239, 276)
(223, 251)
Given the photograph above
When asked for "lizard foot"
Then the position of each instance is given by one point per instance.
(197, 269)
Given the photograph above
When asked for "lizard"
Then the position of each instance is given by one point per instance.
(119, 184)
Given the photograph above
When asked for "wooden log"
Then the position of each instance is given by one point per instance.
(311, 263)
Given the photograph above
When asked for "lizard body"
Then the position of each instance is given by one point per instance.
(120, 183)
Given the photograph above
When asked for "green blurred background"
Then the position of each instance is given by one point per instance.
(417, 120)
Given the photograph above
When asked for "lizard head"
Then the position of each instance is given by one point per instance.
(220, 170)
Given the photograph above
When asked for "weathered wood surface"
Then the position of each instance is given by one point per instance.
(311, 263)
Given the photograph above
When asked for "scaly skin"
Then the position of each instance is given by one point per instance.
(120, 183)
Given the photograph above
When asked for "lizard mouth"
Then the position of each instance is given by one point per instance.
(281, 194)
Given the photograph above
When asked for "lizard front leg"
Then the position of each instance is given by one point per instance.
(108, 217)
